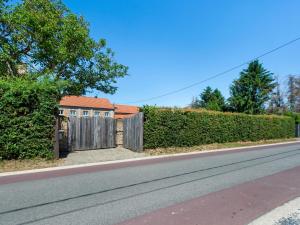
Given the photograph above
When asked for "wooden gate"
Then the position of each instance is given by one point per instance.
(86, 133)
(133, 132)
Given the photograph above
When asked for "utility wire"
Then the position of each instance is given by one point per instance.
(218, 74)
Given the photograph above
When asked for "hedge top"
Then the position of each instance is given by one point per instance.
(212, 112)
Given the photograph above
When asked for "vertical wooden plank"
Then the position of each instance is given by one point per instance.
(74, 128)
(104, 142)
(142, 132)
(70, 135)
(84, 133)
(128, 134)
(74, 134)
(109, 133)
(124, 133)
(90, 137)
(77, 133)
(95, 132)
(107, 136)
(98, 133)
(89, 133)
(102, 132)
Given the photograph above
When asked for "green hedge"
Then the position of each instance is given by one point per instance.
(27, 118)
(178, 128)
(294, 115)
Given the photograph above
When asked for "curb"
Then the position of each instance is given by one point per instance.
(5, 174)
(287, 212)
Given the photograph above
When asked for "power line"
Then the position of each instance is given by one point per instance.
(218, 74)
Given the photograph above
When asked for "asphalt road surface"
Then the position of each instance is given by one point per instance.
(112, 196)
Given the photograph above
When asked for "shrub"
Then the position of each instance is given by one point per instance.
(27, 118)
(179, 128)
(294, 115)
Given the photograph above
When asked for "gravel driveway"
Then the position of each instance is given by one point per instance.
(100, 155)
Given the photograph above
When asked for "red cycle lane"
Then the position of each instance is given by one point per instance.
(238, 205)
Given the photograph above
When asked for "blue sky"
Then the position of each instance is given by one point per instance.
(168, 44)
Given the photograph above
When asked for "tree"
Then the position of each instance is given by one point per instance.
(252, 89)
(48, 40)
(209, 99)
(276, 104)
(293, 93)
(195, 103)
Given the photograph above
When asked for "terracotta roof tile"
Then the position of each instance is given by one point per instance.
(88, 102)
(126, 109)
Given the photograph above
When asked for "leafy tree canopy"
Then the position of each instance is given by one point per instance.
(210, 99)
(252, 89)
(44, 38)
(276, 103)
(293, 93)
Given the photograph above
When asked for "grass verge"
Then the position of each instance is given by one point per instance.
(215, 146)
(28, 164)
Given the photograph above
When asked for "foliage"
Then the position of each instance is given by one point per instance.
(180, 128)
(210, 99)
(252, 90)
(45, 38)
(27, 118)
(276, 104)
(293, 93)
(294, 115)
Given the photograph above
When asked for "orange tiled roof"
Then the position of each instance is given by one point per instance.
(126, 109)
(87, 102)
(122, 116)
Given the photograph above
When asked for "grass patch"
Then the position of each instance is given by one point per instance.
(27, 164)
(174, 150)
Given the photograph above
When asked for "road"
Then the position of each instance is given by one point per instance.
(113, 195)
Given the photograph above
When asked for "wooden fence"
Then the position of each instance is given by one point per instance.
(133, 132)
(91, 133)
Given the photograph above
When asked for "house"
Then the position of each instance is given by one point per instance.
(85, 106)
(124, 111)
(82, 106)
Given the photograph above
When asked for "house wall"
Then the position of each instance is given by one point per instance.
(79, 111)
